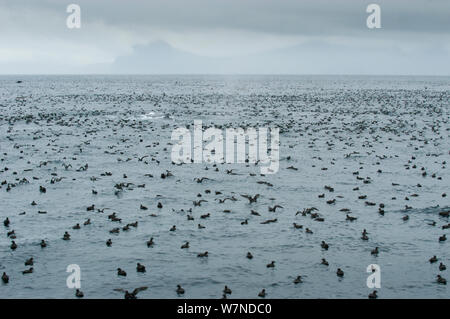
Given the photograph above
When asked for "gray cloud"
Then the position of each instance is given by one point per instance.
(33, 33)
(328, 17)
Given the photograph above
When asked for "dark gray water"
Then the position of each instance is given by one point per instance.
(342, 124)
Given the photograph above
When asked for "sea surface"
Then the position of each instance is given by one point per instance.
(360, 135)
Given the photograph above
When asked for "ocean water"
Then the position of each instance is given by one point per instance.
(378, 134)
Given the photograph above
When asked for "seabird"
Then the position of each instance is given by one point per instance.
(180, 290)
(133, 294)
(298, 280)
(262, 293)
(441, 280)
(5, 278)
(185, 245)
(28, 271)
(373, 295)
(121, 272)
(140, 268)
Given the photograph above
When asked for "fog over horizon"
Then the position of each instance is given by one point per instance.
(225, 37)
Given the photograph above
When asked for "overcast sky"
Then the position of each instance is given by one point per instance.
(225, 36)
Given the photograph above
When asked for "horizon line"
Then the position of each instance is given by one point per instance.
(221, 74)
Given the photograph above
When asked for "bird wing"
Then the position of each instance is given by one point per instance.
(135, 291)
(119, 289)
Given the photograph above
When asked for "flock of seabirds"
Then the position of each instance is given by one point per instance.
(435, 131)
